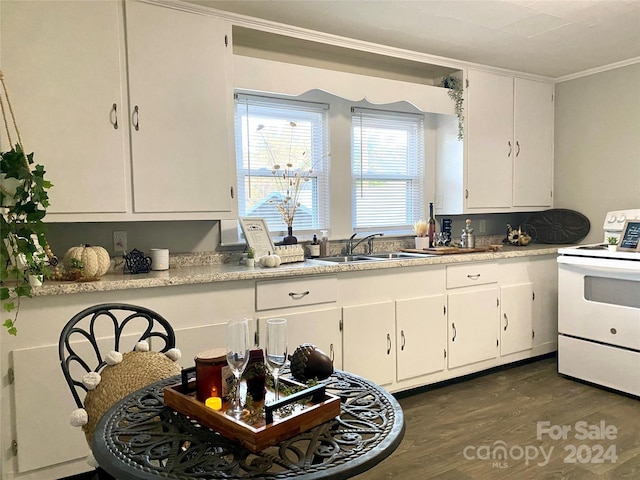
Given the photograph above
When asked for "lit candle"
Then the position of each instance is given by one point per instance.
(214, 402)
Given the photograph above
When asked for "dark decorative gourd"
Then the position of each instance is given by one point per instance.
(309, 362)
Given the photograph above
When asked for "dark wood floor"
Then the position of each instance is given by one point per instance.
(503, 408)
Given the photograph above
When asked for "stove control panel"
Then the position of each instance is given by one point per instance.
(614, 221)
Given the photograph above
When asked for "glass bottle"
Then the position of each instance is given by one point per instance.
(254, 375)
(324, 243)
(314, 247)
(431, 232)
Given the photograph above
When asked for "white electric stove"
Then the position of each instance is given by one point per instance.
(613, 225)
(599, 311)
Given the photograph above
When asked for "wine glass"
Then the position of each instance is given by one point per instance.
(276, 349)
(238, 345)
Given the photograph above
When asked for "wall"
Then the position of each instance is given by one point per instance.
(597, 145)
(177, 236)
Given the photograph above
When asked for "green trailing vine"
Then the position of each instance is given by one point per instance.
(454, 84)
(23, 231)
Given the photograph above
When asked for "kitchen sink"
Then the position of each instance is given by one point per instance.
(348, 259)
(375, 257)
(398, 255)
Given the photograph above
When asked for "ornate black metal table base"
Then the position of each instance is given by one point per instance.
(141, 438)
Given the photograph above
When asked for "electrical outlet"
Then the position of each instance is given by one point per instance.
(120, 241)
(482, 226)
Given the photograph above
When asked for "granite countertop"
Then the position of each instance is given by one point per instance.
(186, 272)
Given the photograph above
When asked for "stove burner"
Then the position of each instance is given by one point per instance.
(602, 246)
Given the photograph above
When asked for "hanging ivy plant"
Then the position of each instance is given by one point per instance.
(24, 198)
(454, 84)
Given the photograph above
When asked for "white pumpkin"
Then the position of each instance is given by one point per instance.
(270, 261)
(95, 260)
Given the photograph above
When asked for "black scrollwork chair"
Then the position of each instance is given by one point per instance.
(90, 335)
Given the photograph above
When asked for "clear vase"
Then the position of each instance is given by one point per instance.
(289, 239)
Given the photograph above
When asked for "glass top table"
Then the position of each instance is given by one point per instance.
(141, 438)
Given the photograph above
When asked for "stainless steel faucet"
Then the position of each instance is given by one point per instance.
(369, 238)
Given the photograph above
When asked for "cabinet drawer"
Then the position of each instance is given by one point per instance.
(293, 293)
(471, 274)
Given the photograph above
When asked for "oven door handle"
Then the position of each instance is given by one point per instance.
(604, 265)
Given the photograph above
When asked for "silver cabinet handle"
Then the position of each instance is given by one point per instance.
(404, 340)
(388, 344)
(298, 296)
(473, 277)
(135, 118)
(506, 321)
(331, 352)
(455, 332)
(517, 148)
(510, 149)
(114, 114)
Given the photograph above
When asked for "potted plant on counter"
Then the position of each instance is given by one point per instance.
(251, 257)
(613, 243)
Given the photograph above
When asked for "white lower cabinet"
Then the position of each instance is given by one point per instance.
(320, 327)
(540, 303)
(543, 272)
(388, 325)
(368, 336)
(38, 403)
(421, 336)
(395, 341)
(516, 310)
(309, 305)
(473, 323)
(473, 309)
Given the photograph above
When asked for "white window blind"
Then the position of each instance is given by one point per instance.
(387, 158)
(294, 136)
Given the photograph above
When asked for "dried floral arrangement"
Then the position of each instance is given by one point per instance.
(290, 177)
(421, 228)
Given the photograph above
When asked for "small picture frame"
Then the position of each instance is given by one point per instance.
(256, 233)
(630, 237)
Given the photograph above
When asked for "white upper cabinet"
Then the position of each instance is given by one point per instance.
(489, 140)
(180, 95)
(509, 142)
(137, 133)
(533, 134)
(508, 148)
(62, 65)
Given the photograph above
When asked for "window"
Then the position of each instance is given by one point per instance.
(387, 165)
(281, 151)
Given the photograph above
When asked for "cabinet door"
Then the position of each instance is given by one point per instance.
(319, 327)
(516, 318)
(421, 336)
(62, 66)
(533, 160)
(544, 273)
(180, 99)
(473, 324)
(489, 140)
(367, 338)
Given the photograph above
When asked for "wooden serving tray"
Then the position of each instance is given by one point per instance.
(453, 250)
(321, 408)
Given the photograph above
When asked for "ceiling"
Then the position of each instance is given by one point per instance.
(554, 38)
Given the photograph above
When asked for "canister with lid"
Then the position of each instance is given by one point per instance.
(209, 365)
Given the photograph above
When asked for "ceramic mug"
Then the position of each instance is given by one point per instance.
(159, 258)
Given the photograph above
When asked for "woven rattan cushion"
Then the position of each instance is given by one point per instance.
(136, 370)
